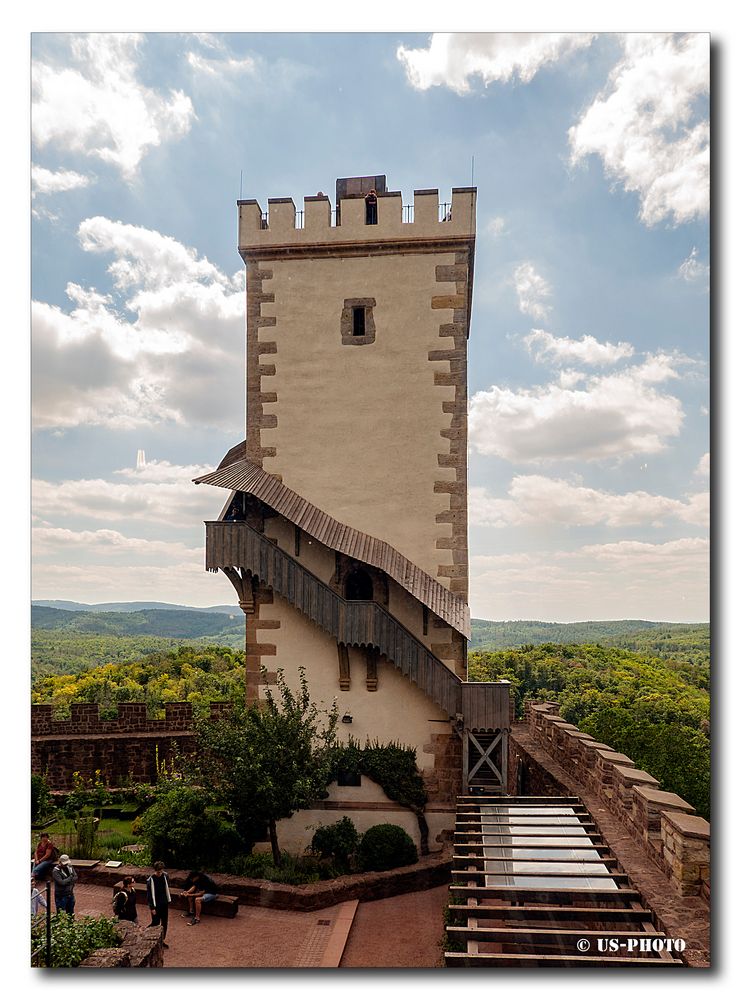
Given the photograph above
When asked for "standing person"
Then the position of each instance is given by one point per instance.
(38, 900)
(124, 901)
(44, 857)
(159, 899)
(64, 877)
(200, 888)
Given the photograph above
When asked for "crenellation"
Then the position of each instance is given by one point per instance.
(428, 218)
(661, 822)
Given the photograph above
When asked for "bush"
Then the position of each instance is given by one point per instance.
(40, 799)
(386, 846)
(72, 940)
(180, 830)
(337, 841)
(292, 870)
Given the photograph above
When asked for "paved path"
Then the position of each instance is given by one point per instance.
(255, 938)
(400, 932)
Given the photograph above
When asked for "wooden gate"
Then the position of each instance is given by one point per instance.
(485, 760)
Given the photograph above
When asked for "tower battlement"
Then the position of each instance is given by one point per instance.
(428, 218)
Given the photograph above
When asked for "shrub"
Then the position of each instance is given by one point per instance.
(386, 846)
(86, 828)
(337, 841)
(180, 830)
(292, 870)
(72, 939)
(40, 799)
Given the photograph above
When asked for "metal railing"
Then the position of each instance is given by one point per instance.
(44, 948)
(298, 221)
(444, 212)
(407, 213)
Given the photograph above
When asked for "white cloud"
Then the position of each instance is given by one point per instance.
(587, 351)
(161, 471)
(532, 291)
(539, 500)
(167, 345)
(692, 269)
(179, 582)
(647, 129)
(451, 59)
(224, 66)
(615, 415)
(666, 581)
(703, 466)
(51, 541)
(50, 181)
(496, 225)
(100, 108)
(172, 499)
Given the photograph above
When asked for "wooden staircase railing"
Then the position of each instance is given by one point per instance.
(235, 544)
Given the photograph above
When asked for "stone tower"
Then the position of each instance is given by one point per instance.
(345, 533)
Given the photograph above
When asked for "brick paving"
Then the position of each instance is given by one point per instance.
(398, 932)
(256, 938)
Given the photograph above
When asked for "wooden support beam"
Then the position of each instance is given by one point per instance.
(585, 914)
(618, 897)
(603, 961)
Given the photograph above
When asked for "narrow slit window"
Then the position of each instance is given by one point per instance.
(358, 321)
(357, 325)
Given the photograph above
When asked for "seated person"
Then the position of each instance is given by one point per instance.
(199, 889)
(44, 858)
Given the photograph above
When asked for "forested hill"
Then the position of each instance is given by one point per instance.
(655, 710)
(187, 624)
(507, 635)
(66, 641)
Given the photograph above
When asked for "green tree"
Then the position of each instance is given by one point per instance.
(267, 761)
(181, 828)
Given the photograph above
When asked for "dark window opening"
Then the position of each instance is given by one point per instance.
(358, 321)
(371, 209)
(358, 586)
(345, 777)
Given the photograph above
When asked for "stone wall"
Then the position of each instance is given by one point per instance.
(427, 873)
(662, 822)
(140, 948)
(124, 748)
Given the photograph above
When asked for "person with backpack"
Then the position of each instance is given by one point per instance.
(124, 901)
(159, 899)
(44, 858)
(64, 876)
(199, 888)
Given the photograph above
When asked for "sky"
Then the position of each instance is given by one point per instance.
(588, 354)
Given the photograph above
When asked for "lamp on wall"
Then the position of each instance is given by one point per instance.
(346, 718)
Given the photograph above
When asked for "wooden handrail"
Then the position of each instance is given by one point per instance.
(355, 623)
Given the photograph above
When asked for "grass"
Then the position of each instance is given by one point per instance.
(110, 837)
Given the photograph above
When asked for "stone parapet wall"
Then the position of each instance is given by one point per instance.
(662, 822)
(427, 873)
(131, 718)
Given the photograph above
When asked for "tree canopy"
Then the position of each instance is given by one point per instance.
(268, 760)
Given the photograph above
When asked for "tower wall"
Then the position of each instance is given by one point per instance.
(371, 429)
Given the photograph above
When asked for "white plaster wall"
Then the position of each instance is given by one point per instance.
(358, 430)
(397, 710)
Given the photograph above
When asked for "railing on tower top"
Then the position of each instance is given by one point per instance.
(444, 214)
